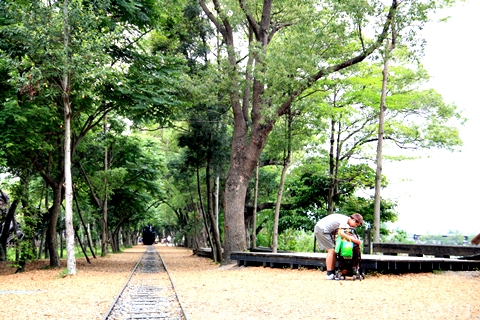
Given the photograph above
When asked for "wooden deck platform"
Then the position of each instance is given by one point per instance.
(369, 262)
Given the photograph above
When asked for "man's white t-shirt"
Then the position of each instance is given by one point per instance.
(333, 222)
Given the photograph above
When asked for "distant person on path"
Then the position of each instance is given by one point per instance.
(169, 240)
(324, 230)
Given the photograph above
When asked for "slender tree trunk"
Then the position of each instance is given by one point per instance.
(46, 251)
(277, 207)
(378, 171)
(69, 231)
(104, 220)
(216, 234)
(286, 163)
(255, 202)
(205, 219)
(217, 202)
(90, 241)
(41, 244)
(17, 243)
(87, 229)
(331, 188)
(337, 162)
(60, 236)
(82, 247)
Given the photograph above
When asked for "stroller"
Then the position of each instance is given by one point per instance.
(349, 265)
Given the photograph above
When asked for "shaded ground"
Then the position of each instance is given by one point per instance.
(209, 291)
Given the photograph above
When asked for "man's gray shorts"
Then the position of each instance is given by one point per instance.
(325, 240)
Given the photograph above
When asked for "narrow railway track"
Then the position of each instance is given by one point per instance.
(148, 294)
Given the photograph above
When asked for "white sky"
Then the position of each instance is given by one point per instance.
(440, 192)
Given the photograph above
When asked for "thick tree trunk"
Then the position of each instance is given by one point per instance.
(241, 170)
(114, 241)
(5, 231)
(234, 222)
(52, 227)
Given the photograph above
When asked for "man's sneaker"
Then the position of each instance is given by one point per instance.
(330, 277)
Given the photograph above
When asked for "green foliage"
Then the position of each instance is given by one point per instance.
(153, 90)
(308, 186)
(365, 208)
(114, 177)
(206, 139)
(142, 13)
(295, 240)
(27, 249)
(10, 256)
(415, 117)
(399, 236)
(264, 239)
(118, 71)
(308, 189)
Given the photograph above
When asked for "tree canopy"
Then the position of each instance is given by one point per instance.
(174, 105)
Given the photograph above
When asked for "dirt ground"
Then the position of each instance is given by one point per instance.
(209, 291)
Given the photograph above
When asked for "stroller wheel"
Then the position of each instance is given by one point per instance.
(357, 275)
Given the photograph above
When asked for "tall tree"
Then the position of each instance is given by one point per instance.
(381, 123)
(206, 147)
(291, 47)
(45, 53)
(416, 118)
(107, 71)
(286, 162)
(65, 87)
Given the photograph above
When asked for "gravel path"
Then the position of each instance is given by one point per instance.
(149, 293)
(210, 291)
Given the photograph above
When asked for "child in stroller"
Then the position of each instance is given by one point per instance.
(349, 260)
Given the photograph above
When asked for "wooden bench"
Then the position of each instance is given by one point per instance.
(420, 250)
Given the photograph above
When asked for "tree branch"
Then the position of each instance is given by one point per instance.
(251, 21)
(359, 58)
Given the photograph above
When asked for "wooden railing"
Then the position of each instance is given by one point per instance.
(419, 250)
